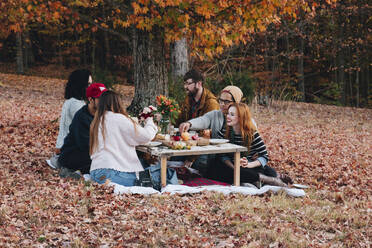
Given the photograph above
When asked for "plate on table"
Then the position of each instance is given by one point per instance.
(153, 143)
(218, 141)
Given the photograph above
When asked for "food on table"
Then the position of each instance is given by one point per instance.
(191, 142)
(180, 145)
(160, 136)
(206, 133)
(177, 145)
(176, 138)
(203, 142)
(185, 136)
(195, 137)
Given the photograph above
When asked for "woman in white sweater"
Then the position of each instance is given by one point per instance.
(77, 82)
(113, 138)
(75, 88)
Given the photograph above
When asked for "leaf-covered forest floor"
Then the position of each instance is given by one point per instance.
(325, 147)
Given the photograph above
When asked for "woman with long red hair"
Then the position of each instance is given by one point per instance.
(241, 130)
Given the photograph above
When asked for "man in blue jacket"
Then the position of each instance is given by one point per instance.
(75, 150)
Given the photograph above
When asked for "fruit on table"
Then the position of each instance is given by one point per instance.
(206, 133)
(195, 137)
(185, 136)
(176, 138)
(180, 146)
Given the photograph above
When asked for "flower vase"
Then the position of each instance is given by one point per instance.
(164, 125)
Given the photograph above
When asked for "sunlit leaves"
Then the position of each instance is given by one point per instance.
(209, 25)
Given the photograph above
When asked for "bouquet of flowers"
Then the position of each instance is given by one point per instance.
(147, 112)
(168, 108)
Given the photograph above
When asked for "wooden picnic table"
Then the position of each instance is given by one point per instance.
(164, 153)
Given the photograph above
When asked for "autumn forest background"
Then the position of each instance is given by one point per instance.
(316, 53)
(305, 70)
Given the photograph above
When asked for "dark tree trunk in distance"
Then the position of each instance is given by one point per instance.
(301, 77)
(150, 74)
(19, 59)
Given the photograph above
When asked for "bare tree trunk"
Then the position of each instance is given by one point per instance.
(288, 57)
(301, 78)
(28, 57)
(107, 50)
(254, 57)
(60, 57)
(341, 76)
(357, 88)
(93, 53)
(150, 74)
(351, 88)
(19, 58)
(179, 58)
(367, 82)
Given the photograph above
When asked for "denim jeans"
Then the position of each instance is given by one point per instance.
(119, 177)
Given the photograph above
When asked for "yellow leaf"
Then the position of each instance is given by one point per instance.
(56, 15)
(208, 52)
(29, 7)
(136, 8)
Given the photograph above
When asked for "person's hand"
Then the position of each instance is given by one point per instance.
(157, 117)
(57, 151)
(188, 163)
(184, 127)
(148, 119)
(244, 162)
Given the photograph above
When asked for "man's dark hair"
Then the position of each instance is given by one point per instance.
(77, 83)
(195, 75)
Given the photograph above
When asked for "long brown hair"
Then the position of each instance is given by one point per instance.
(247, 128)
(108, 101)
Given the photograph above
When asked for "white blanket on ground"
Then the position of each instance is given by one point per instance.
(182, 189)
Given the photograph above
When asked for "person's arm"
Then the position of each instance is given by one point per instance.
(204, 121)
(229, 163)
(74, 107)
(62, 132)
(258, 147)
(137, 135)
(245, 164)
(199, 123)
(68, 112)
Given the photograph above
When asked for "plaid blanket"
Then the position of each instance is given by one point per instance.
(201, 181)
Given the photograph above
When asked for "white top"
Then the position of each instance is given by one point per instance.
(69, 108)
(121, 138)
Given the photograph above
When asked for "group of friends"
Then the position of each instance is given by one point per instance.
(97, 136)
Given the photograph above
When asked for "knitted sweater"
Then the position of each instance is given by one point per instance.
(212, 120)
(69, 108)
(118, 151)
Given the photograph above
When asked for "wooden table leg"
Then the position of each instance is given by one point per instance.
(163, 172)
(237, 169)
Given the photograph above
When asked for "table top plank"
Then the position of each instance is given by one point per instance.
(195, 150)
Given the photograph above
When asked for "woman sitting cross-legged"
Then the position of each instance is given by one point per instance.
(241, 130)
(113, 138)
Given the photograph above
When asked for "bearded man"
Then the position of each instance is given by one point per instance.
(199, 100)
